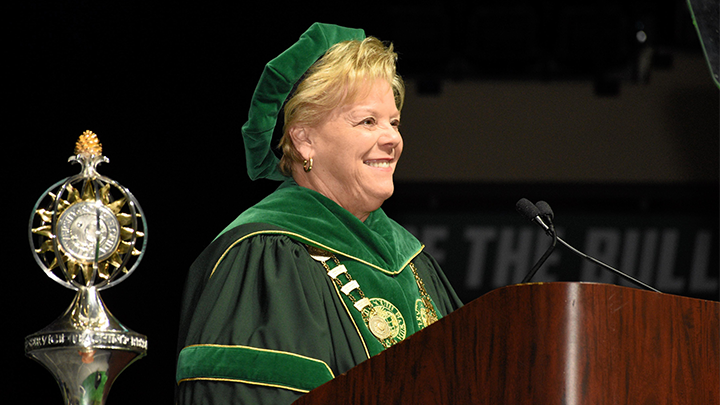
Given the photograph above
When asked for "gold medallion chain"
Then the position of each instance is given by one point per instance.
(431, 316)
(377, 325)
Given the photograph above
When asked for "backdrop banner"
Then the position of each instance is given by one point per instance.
(676, 254)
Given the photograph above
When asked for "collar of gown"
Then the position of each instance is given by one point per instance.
(310, 217)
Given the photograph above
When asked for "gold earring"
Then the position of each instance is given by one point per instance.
(307, 165)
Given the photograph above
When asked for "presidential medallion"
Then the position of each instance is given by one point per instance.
(387, 321)
(381, 317)
(379, 327)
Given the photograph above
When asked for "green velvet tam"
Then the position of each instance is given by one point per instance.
(276, 83)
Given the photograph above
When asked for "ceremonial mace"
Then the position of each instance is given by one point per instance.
(87, 233)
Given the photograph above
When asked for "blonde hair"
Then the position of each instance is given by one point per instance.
(334, 80)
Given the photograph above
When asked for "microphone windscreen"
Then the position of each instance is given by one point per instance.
(545, 209)
(527, 209)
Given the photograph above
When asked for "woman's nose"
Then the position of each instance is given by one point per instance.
(390, 137)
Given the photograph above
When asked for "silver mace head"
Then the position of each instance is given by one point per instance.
(88, 233)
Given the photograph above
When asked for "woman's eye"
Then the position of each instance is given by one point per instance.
(368, 121)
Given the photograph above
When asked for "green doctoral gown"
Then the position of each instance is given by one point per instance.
(263, 322)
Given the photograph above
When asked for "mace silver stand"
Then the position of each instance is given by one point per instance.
(88, 233)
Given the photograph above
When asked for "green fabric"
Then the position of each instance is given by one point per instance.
(265, 292)
(315, 219)
(276, 83)
(311, 218)
(245, 364)
(256, 286)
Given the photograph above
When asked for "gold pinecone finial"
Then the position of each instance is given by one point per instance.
(88, 144)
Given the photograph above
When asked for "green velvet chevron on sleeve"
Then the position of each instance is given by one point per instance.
(251, 365)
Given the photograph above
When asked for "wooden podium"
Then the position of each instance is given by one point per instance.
(552, 343)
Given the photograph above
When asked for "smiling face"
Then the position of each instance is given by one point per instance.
(355, 151)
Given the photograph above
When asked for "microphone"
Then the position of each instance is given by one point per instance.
(534, 213)
(545, 211)
(548, 214)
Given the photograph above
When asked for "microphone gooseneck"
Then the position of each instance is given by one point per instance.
(542, 209)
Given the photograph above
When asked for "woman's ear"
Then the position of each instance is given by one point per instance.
(300, 137)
